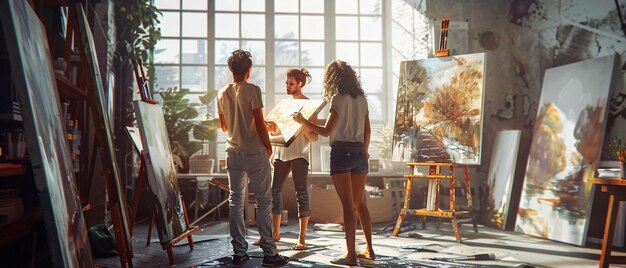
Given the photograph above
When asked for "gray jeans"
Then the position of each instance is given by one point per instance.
(257, 167)
(299, 169)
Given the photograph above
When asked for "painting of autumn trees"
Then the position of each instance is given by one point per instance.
(439, 110)
(566, 143)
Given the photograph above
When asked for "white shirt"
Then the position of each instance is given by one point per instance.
(235, 102)
(299, 148)
(351, 114)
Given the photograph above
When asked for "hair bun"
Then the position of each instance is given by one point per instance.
(306, 74)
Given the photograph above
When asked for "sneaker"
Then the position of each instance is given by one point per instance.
(239, 259)
(276, 260)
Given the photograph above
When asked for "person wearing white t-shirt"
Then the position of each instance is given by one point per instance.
(294, 159)
(348, 126)
(240, 109)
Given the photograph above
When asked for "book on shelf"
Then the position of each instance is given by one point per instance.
(610, 169)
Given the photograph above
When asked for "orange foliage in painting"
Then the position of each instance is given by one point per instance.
(456, 99)
(547, 152)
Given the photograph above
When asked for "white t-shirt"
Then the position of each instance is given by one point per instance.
(351, 123)
(299, 148)
(235, 102)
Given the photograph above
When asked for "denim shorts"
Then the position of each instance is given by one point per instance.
(348, 157)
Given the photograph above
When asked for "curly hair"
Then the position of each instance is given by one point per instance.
(341, 79)
(239, 62)
(301, 75)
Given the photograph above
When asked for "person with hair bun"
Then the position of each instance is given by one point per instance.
(294, 159)
(348, 126)
(248, 148)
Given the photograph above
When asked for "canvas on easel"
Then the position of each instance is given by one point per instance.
(48, 151)
(282, 116)
(162, 180)
(567, 138)
(439, 110)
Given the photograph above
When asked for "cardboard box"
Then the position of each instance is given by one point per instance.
(326, 206)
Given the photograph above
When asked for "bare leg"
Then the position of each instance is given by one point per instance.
(276, 218)
(358, 191)
(343, 186)
(304, 223)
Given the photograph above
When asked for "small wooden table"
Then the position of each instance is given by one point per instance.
(616, 188)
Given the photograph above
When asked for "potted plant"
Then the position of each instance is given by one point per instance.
(181, 120)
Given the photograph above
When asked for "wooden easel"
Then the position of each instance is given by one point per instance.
(142, 179)
(432, 202)
(87, 89)
(431, 206)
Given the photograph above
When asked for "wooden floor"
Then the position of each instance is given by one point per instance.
(410, 249)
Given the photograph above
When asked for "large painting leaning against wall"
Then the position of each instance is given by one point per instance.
(566, 142)
(439, 110)
(48, 152)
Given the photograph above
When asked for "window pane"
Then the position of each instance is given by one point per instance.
(286, 26)
(279, 80)
(167, 4)
(371, 54)
(312, 53)
(223, 76)
(194, 78)
(348, 52)
(226, 25)
(312, 6)
(166, 77)
(252, 26)
(370, 7)
(253, 5)
(194, 24)
(257, 49)
(227, 5)
(347, 7)
(257, 77)
(166, 51)
(371, 28)
(372, 80)
(375, 106)
(312, 27)
(195, 4)
(286, 53)
(223, 49)
(194, 51)
(286, 6)
(170, 24)
(347, 28)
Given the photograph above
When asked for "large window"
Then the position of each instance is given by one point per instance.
(198, 36)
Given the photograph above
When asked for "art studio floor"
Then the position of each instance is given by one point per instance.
(410, 249)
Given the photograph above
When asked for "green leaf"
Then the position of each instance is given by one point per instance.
(208, 97)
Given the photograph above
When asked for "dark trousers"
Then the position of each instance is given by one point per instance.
(299, 169)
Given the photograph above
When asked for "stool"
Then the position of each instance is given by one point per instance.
(432, 208)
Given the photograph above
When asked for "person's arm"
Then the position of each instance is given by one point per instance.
(312, 136)
(223, 123)
(259, 123)
(368, 134)
(324, 130)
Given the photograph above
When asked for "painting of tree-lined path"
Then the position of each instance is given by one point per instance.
(439, 110)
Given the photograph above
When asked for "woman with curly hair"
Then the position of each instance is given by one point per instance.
(348, 126)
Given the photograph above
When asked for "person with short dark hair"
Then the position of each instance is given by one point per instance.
(248, 148)
(348, 126)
